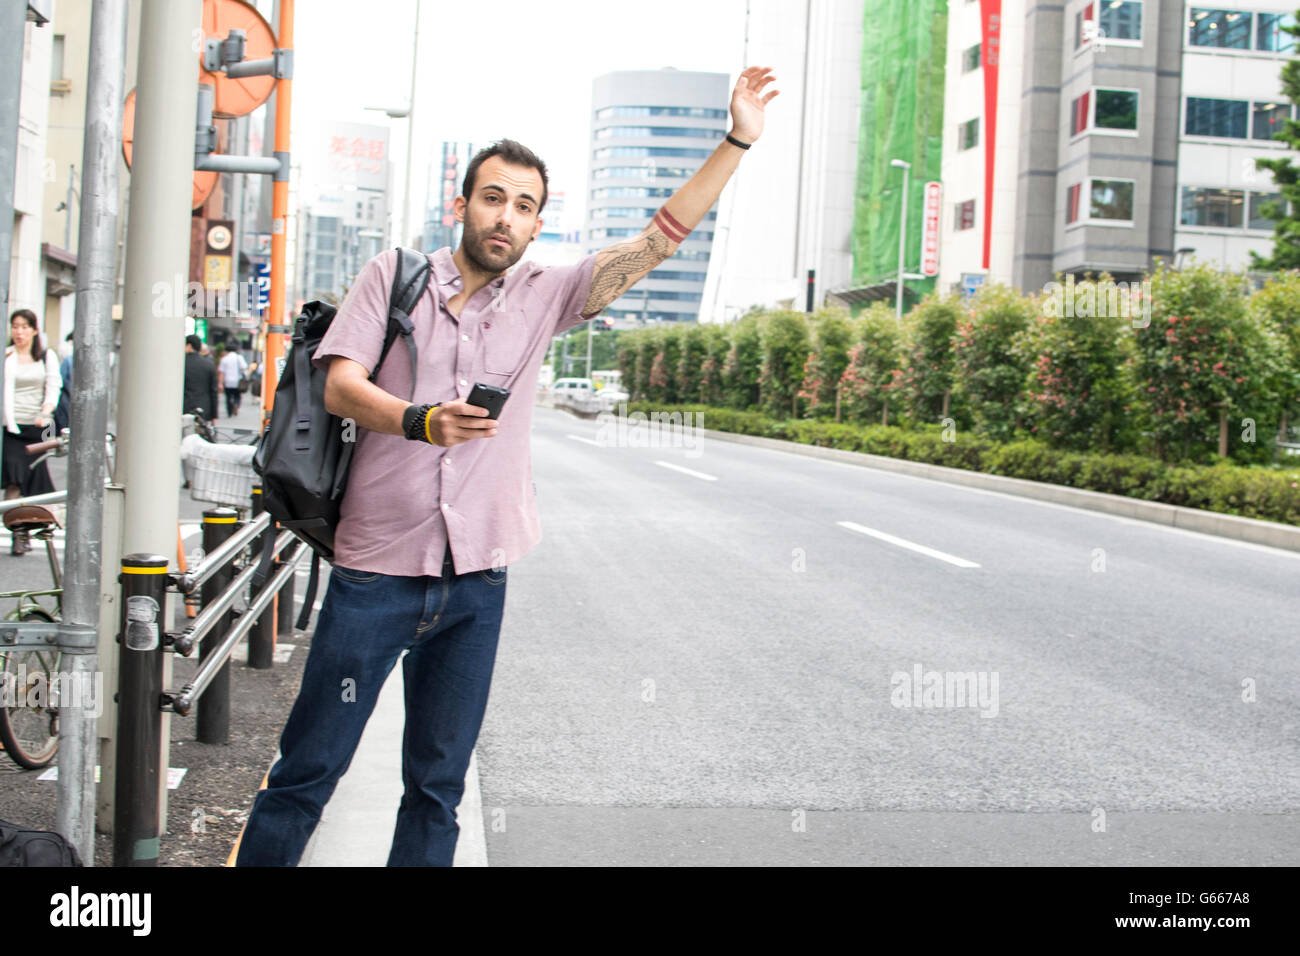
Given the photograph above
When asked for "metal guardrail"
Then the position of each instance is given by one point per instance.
(182, 702)
(142, 698)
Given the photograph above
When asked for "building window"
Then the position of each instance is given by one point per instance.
(1079, 114)
(1072, 203)
(630, 192)
(697, 132)
(970, 59)
(326, 243)
(1206, 117)
(1085, 25)
(1268, 118)
(1120, 21)
(643, 172)
(1269, 34)
(610, 151)
(965, 215)
(692, 111)
(1112, 199)
(1263, 207)
(1116, 109)
(968, 134)
(1216, 208)
(1225, 29)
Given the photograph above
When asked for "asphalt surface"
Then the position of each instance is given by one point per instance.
(698, 670)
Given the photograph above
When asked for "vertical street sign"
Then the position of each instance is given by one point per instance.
(930, 230)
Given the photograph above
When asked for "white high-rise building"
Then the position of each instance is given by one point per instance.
(650, 131)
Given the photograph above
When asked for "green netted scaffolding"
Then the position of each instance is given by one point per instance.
(903, 51)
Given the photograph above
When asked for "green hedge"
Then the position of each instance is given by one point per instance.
(1268, 494)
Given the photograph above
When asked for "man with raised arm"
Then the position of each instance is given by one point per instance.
(439, 498)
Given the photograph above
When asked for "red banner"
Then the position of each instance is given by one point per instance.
(930, 231)
(990, 50)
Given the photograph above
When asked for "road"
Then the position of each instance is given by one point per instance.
(697, 666)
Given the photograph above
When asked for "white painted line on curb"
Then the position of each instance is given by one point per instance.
(911, 546)
(687, 471)
(589, 441)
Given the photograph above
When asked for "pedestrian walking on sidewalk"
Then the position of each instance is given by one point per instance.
(233, 368)
(439, 499)
(200, 380)
(31, 393)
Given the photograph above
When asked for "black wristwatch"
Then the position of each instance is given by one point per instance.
(415, 422)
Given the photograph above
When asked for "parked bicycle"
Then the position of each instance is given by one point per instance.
(29, 677)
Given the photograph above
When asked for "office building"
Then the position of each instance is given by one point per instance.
(1126, 132)
(650, 131)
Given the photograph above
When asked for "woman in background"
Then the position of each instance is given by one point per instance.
(31, 392)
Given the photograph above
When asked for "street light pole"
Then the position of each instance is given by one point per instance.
(410, 130)
(906, 167)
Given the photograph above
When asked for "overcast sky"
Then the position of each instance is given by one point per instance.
(487, 70)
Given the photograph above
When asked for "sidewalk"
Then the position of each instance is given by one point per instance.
(356, 828)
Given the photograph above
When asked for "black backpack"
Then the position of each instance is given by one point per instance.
(301, 457)
(20, 846)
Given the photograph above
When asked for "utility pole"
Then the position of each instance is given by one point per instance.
(591, 331)
(153, 326)
(13, 16)
(275, 325)
(906, 167)
(402, 237)
(92, 347)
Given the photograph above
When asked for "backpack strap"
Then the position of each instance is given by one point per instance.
(302, 389)
(410, 280)
(308, 599)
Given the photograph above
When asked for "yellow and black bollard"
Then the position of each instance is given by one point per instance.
(139, 711)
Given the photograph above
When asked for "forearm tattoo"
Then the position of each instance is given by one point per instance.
(620, 267)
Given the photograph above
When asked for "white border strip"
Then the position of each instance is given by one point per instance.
(909, 545)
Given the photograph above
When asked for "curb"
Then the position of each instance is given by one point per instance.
(1253, 530)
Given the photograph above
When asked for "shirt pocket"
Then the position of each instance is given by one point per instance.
(505, 342)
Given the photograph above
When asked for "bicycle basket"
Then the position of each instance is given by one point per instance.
(222, 474)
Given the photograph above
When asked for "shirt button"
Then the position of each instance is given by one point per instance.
(463, 382)
(465, 337)
(446, 461)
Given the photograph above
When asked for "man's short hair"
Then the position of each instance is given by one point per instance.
(194, 342)
(512, 152)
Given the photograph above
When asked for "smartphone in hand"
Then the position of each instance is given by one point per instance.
(490, 397)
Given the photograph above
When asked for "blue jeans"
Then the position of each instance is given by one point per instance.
(450, 625)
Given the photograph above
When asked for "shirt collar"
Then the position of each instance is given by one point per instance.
(446, 273)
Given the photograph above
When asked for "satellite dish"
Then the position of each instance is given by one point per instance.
(241, 95)
(204, 182)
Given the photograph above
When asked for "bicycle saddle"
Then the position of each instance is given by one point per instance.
(29, 516)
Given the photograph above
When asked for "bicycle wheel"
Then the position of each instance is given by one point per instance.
(29, 719)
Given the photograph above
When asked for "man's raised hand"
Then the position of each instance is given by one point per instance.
(748, 102)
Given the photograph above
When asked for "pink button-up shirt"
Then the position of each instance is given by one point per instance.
(406, 499)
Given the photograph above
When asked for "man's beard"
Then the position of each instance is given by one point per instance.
(485, 257)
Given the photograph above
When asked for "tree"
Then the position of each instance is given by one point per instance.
(827, 358)
(873, 376)
(740, 366)
(928, 370)
(1079, 392)
(990, 370)
(1277, 308)
(1286, 228)
(1200, 362)
(784, 346)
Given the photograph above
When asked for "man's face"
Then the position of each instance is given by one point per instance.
(501, 215)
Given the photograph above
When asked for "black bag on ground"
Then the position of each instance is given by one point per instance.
(302, 456)
(20, 846)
